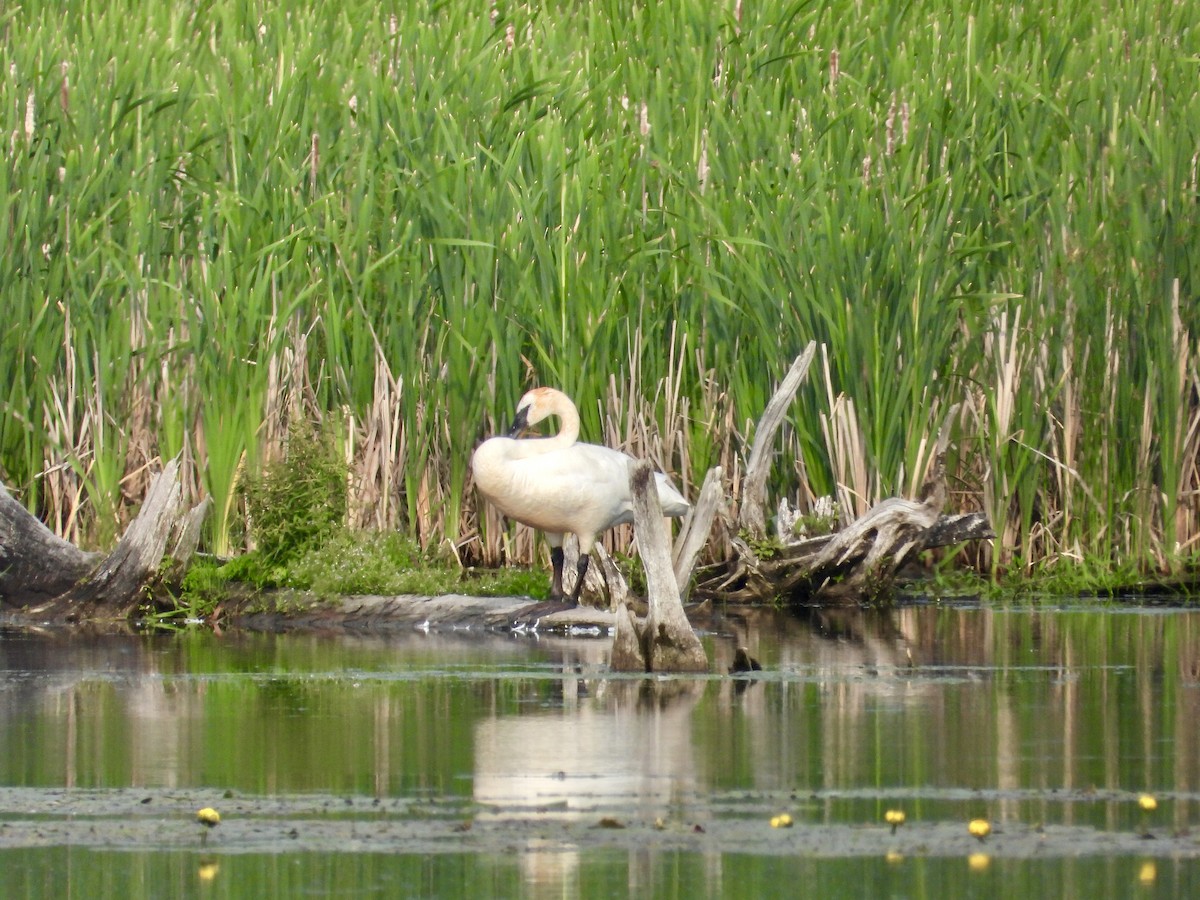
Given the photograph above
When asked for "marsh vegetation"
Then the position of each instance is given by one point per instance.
(220, 220)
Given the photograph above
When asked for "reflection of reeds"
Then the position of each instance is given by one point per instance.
(1059, 712)
(188, 265)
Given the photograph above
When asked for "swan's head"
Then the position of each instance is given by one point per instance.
(536, 405)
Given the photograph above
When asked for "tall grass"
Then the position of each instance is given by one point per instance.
(217, 219)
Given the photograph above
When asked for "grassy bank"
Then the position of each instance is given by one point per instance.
(218, 220)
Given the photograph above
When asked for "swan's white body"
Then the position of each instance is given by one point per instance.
(558, 485)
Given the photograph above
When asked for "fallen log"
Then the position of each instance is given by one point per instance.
(36, 565)
(52, 580)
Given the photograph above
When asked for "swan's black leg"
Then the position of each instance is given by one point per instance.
(556, 563)
(581, 568)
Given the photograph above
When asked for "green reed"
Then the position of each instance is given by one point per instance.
(218, 219)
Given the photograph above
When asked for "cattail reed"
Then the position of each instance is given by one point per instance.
(314, 163)
(30, 116)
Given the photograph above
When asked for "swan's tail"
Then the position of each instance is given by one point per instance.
(669, 499)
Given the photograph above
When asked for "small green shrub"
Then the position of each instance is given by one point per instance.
(297, 503)
(767, 547)
(815, 525)
(356, 563)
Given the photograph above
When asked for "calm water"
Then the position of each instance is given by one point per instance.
(1025, 716)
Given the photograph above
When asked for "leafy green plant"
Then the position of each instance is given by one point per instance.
(815, 525)
(191, 601)
(296, 503)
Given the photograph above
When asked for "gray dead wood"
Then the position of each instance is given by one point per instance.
(36, 565)
(862, 560)
(110, 586)
(751, 517)
(665, 641)
(187, 537)
(618, 590)
(697, 526)
(627, 653)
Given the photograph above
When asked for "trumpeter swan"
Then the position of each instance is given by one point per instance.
(558, 485)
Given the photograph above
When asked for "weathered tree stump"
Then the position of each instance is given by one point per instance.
(46, 577)
(607, 581)
(665, 641)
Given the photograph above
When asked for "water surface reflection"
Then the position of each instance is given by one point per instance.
(1026, 716)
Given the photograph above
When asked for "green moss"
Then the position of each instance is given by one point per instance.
(374, 563)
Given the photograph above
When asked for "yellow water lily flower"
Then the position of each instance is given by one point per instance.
(208, 817)
(895, 818)
(1147, 802)
(783, 820)
(979, 828)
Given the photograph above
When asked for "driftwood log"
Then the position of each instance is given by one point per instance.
(860, 563)
(49, 579)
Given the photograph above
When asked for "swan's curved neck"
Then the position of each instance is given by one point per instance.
(541, 403)
(568, 421)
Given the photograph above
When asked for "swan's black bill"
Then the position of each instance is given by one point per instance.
(520, 423)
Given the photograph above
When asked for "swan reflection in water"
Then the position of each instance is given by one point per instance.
(625, 751)
(619, 749)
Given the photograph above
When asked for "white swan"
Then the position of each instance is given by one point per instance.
(559, 486)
